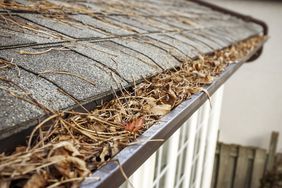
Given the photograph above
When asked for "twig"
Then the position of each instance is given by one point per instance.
(208, 95)
(67, 73)
(144, 141)
(37, 127)
(73, 98)
(22, 52)
(122, 172)
(28, 27)
(17, 68)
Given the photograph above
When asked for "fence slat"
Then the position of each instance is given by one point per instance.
(224, 158)
(242, 168)
(259, 165)
(272, 151)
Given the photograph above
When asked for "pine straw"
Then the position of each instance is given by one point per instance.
(60, 12)
(19, 25)
(6, 64)
(63, 9)
(63, 151)
(47, 8)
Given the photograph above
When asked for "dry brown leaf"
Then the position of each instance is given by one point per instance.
(206, 80)
(147, 108)
(172, 98)
(105, 154)
(64, 148)
(38, 180)
(209, 79)
(20, 149)
(150, 103)
(64, 137)
(4, 183)
(197, 66)
(161, 110)
(135, 125)
(194, 90)
(199, 74)
(70, 167)
(26, 168)
(115, 147)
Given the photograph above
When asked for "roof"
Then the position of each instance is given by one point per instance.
(64, 53)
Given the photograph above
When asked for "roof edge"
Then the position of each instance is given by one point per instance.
(243, 17)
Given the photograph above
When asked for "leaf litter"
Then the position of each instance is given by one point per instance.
(66, 147)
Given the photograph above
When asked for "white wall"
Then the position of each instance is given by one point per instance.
(252, 103)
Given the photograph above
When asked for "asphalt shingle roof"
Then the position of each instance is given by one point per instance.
(114, 43)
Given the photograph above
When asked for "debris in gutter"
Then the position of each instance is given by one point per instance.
(63, 151)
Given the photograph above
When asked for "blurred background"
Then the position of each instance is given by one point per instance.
(252, 103)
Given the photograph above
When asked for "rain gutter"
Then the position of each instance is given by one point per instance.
(134, 156)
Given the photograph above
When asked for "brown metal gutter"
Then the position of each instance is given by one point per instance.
(134, 156)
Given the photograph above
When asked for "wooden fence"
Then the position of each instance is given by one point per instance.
(238, 167)
(243, 167)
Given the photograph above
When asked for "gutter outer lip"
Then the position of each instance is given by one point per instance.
(131, 157)
(244, 17)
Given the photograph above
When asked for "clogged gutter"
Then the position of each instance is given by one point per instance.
(63, 151)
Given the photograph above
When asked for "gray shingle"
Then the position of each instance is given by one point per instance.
(155, 52)
(102, 25)
(76, 30)
(15, 34)
(128, 63)
(14, 111)
(71, 63)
